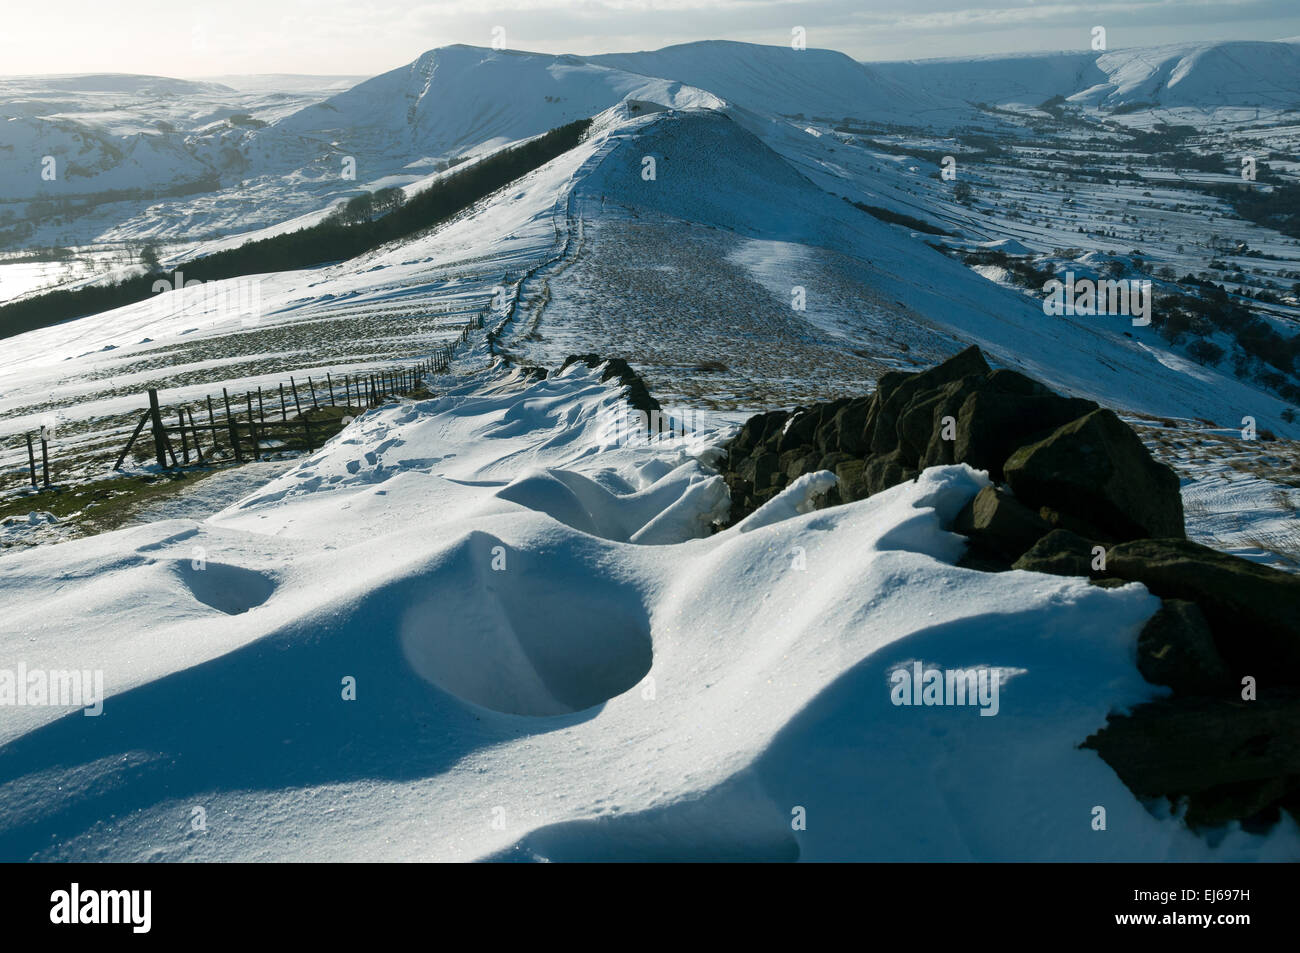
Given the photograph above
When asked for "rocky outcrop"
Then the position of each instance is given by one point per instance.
(1076, 493)
(638, 395)
(1060, 553)
(1226, 641)
(1176, 648)
(962, 411)
(999, 522)
(1253, 610)
(1097, 470)
(1226, 759)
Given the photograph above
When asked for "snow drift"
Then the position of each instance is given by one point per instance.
(439, 638)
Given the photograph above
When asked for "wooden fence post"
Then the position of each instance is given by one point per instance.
(171, 451)
(296, 403)
(252, 428)
(31, 458)
(144, 419)
(231, 426)
(185, 446)
(45, 458)
(159, 445)
(194, 431)
(212, 424)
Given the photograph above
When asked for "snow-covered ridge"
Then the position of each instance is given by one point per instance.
(457, 98)
(1204, 74)
(281, 153)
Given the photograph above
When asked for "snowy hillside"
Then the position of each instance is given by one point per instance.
(247, 153)
(461, 98)
(1200, 75)
(122, 132)
(876, 297)
(784, 81)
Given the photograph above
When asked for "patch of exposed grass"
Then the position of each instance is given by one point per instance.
(104, 505)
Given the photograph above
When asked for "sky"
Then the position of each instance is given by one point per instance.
(367, 37)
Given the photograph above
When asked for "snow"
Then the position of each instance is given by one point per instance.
(1198, 75)
(797, 498)
(583, 696)
(32, 529)
(1008, 246)
(783, 80)
(555, 657)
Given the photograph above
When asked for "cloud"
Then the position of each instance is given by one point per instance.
(371, 36)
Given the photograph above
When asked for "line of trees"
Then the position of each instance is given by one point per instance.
(350, 231)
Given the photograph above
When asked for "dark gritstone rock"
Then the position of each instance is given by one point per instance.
(638, 396)
(1097, 470)
(852, 485)
(886, 470)
(1230, 759)
(1079, 478)
(1176, 648)
(1060, 553)
(992, 423)
(960, 411)
(1253, 610)
(895, 393)
(1000, 523)
(1079, 527)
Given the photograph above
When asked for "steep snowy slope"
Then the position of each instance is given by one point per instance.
(1234, 73)
(1200, 75)
(1023, 79)
(121, 132)
(782, 80)
(461, 98)
(782, 226)
(359, 314)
